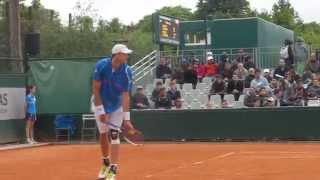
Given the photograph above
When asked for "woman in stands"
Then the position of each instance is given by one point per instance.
(31, 117)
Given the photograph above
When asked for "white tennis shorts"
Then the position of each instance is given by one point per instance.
(115, 121)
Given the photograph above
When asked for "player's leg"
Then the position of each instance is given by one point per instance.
(105, 149)
(32, 130)
(116, 119)
(28, 130)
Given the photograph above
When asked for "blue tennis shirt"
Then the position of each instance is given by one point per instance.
(31, 104)
(113, 83)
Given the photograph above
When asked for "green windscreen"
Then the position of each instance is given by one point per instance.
(64, 86)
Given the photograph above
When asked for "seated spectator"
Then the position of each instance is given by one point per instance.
(162, 70)
(267, 74)
(241, 72)
(249, 63)
(190, 76)
(307, 76)
(139, 99)
(201, 71)
(251, 98)
(289, 97)
(249, 78)
(281, 70)
(259, 81)
(218, 87)
(211, 67)
(235, 87)
(163, 101)
(156, 91)
(265, 98)
(313, 91)
(178, 104)
(312, 65)
(173, 93)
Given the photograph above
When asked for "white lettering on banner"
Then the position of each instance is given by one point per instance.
(12, 101)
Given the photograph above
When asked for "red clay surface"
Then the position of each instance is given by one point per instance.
(241, 161)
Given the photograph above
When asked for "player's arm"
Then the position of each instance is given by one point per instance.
(126, 110)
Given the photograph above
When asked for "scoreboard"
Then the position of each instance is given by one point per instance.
(169, 30)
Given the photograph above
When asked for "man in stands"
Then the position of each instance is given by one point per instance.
(281, 70)
(163, 101)
(259, 81)
(235, 87)
(267, 74)
(156, 91)
(249, 78)
(218, 87)
(140, 100)
(173, 93)
(190, 76)
(211, 67)
(312, 65)
(241, 72)
(249, 63)
(162, 70)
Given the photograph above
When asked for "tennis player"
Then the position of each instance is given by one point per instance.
(112, 82)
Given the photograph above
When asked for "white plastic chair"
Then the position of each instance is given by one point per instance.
(216, 101)
(230, 99)
(187, 87)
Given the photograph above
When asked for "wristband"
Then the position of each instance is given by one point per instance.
(126, 116)
(99, 110)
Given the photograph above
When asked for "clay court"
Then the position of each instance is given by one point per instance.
(201, 161)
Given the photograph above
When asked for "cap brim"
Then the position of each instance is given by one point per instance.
(127, 51)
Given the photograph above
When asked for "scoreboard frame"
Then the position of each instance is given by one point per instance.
(166, 29)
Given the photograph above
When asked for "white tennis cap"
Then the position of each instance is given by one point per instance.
(121, 48)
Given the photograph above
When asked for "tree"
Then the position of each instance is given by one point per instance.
(223, 9)
(284, 14)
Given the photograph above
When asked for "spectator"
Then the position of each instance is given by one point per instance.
(218, 87)
(162, 70)
(313, 91)
(241, 56)
(281, 70)
(289, 97)
(265, 98)
(235, 87)
(286, 53)
(259, 81)
(241, 72)
(201, 71)
(173, 93)
(190, 76)
(156, 91)
(139, 99)
(251, 99)
(163, 101)
(178, 75)
(307, 76)
(249, 63)
(223, 60)
(228, 71)
(211, 67)
(312, 65)
(275, 88)
(267, 74)
(179, 104)
(249, 78)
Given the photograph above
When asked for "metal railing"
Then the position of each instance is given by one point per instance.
(145, 66)
(263, 57)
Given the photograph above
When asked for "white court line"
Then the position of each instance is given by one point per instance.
(191, 165)
(273, 152)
